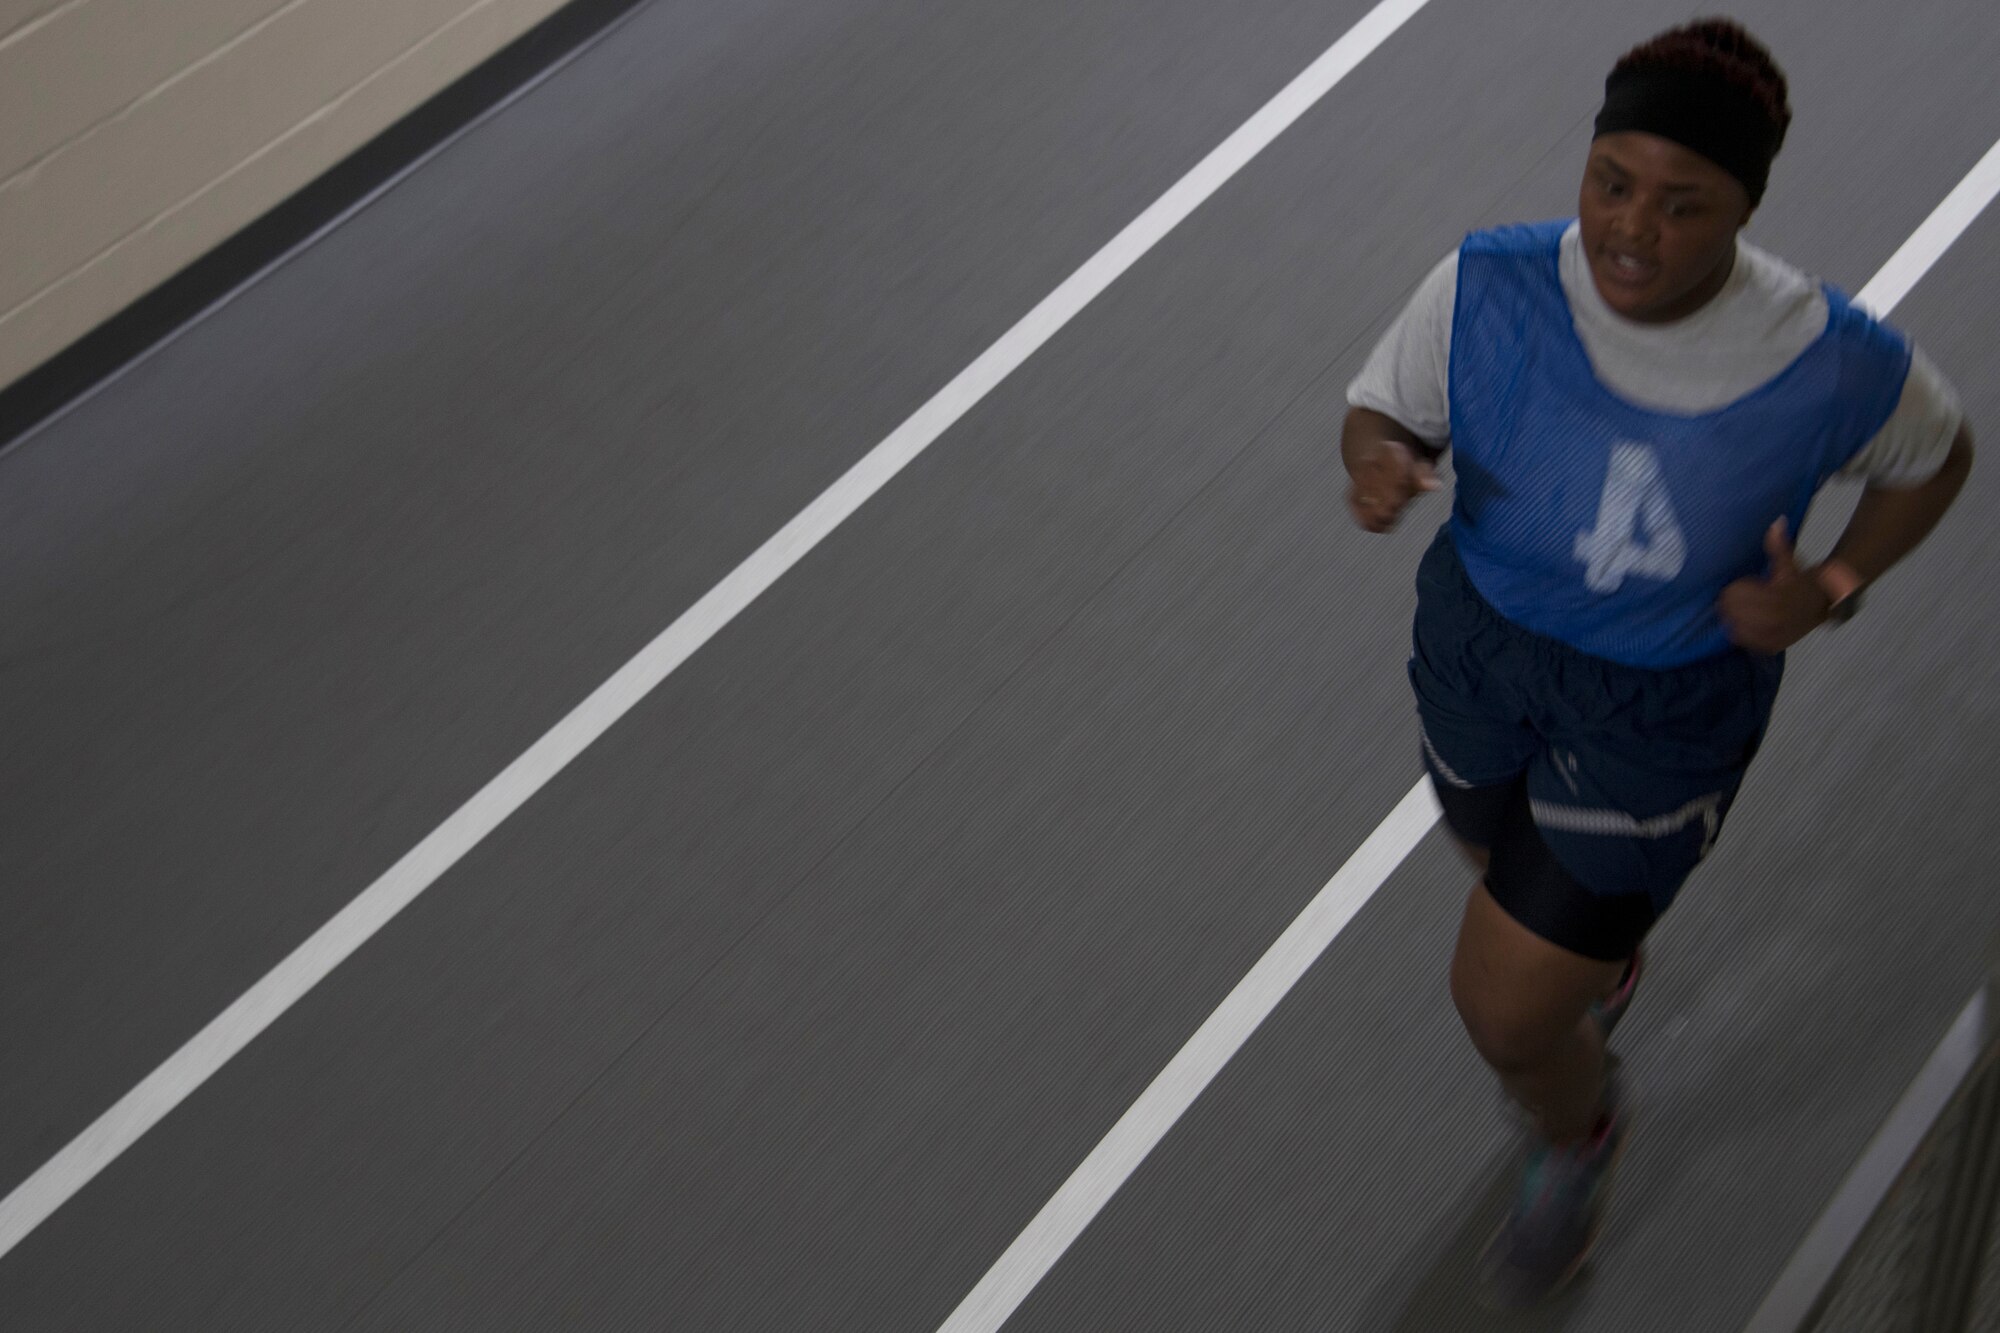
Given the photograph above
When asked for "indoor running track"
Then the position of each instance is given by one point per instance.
(793, 999)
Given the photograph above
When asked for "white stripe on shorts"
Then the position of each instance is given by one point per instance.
(1618, 824)
(1444, 769)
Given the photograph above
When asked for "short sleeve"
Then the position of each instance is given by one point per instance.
(1407, 377)
(1913, 443)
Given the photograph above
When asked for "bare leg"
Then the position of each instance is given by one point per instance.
(1525, 1004)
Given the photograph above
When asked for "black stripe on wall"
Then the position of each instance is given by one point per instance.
(128, 335)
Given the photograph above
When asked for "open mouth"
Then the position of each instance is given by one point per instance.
(1628, 270)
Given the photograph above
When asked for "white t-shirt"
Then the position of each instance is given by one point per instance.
(1766, 314)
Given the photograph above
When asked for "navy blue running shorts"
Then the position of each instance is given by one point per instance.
(1595, 787)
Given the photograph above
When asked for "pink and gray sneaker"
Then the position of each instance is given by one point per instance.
(1612, 1007)
(1557, 1212)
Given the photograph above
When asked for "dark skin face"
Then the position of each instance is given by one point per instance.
(1659, 225)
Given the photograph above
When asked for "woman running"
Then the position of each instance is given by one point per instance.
(1641, 406)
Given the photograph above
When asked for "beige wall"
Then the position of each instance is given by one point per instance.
(136, 134)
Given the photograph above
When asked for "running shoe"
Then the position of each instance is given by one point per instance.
(1557, 1214)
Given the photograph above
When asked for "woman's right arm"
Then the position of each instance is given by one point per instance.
(1387, 467)
(1399, 411)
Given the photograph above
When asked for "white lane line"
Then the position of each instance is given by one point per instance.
(1063, 1218)
(188, 1068)
(1091, 1185)
(1794, 1299)
(1946, 223)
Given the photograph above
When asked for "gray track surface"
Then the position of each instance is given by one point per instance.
(794, 998)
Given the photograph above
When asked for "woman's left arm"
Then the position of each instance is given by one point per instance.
(1769, 615)
(1888, 522)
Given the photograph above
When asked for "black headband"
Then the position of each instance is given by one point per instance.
(1724, 123)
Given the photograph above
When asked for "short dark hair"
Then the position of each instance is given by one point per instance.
(1718, 48)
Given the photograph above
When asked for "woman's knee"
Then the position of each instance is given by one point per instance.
(1508, 1036)
(1518, 995)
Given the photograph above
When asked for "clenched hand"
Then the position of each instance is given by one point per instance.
(1383, 480)
(1770, 614)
